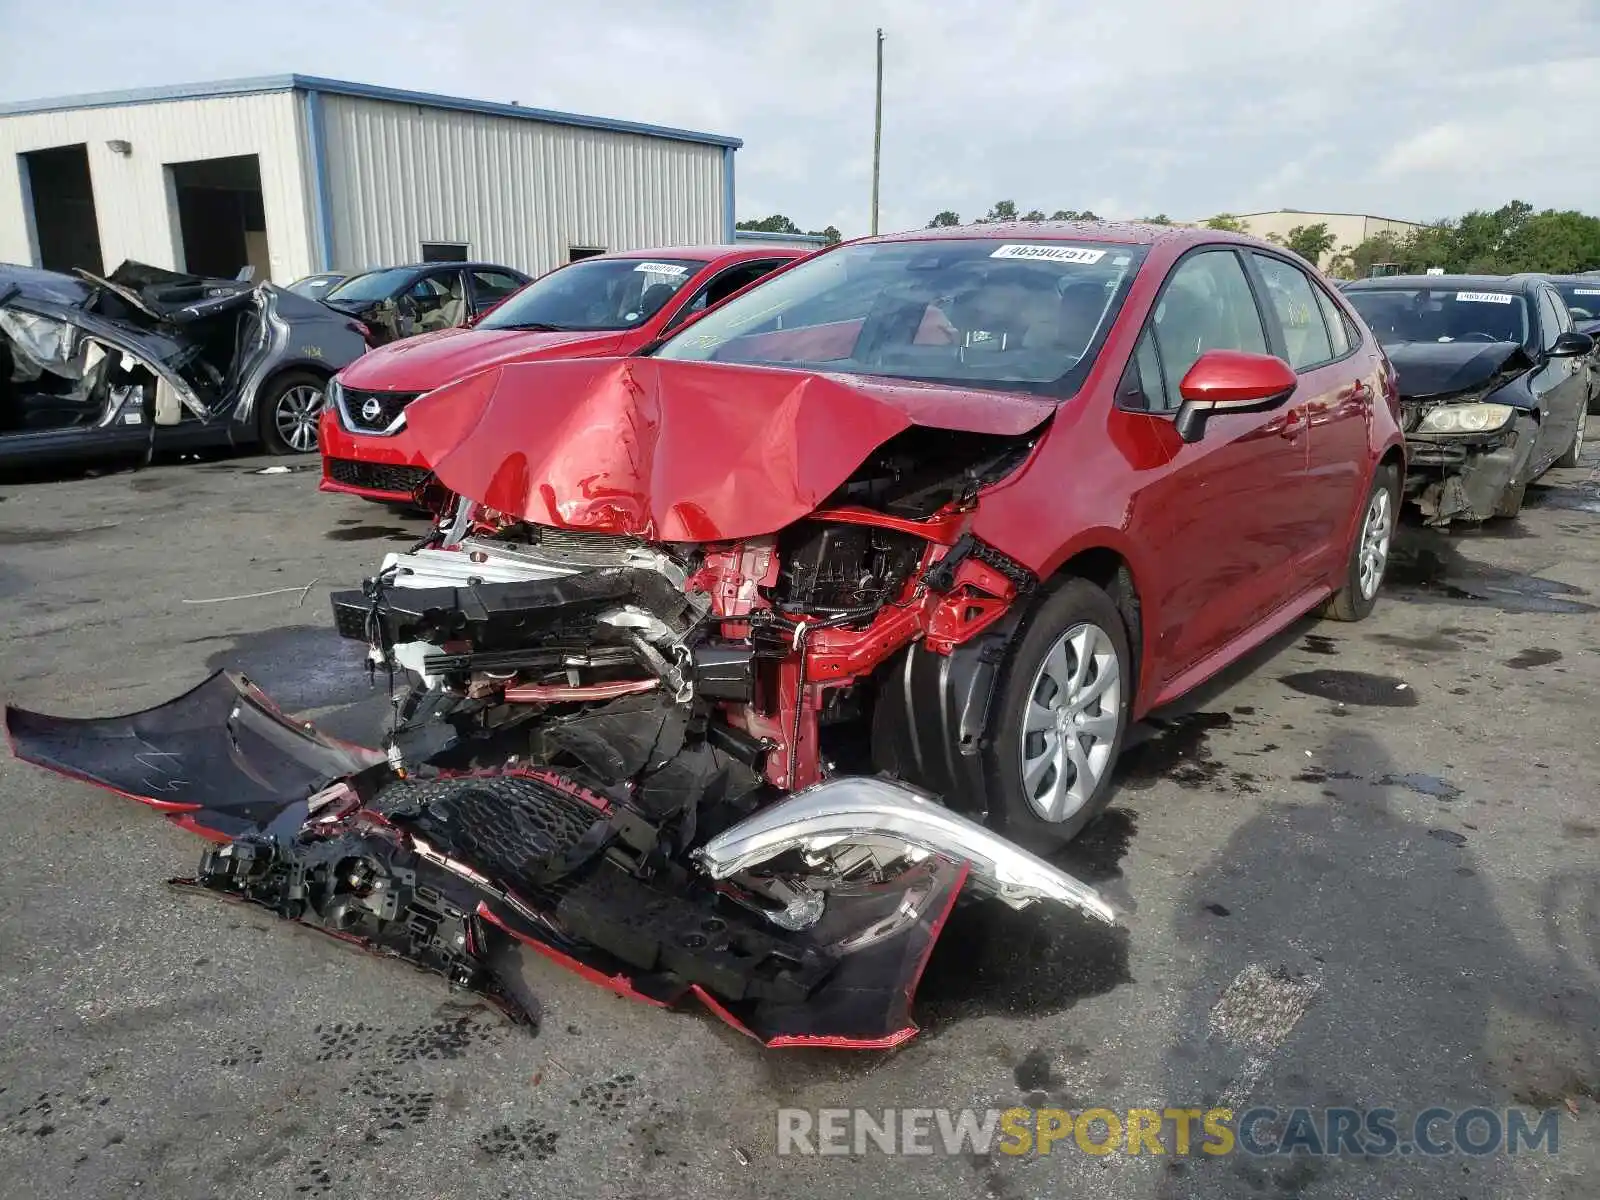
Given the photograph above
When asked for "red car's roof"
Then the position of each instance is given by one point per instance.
(1133, 233)
(711, 253)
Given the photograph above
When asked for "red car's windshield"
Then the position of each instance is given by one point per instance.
(987, 311)
(598, 293)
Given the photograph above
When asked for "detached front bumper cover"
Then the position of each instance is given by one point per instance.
(450, 871)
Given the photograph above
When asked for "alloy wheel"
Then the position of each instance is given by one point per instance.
(296, 416)
(1376, 530)
(1071, 721)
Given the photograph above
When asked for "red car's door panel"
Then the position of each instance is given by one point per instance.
(1222, 524)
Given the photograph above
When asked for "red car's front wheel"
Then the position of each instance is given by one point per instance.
(1061, 718)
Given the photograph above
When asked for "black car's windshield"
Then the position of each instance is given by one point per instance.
(598, 293)
(983, 311)
(374, 285)
(1583, 299)
(1398, 315)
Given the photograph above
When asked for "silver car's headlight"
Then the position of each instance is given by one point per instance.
(1466, 418)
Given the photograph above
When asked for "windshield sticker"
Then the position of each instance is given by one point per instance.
(656, 268)
(1063, 254)
(1586, 291)
(1483, 297)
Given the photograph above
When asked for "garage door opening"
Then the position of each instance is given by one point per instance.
(222, 225)
(65, 229)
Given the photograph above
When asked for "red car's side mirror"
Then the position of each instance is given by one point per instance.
(1230, 381)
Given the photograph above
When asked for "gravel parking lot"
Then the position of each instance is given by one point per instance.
(1361, 870)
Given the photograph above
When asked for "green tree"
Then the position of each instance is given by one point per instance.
(1071, 214)
(1158, 219)
(944, 219)
(1228, 223)
(1003, 210)
(776, 223)
(1356, 262)
(1034, 214)
(1310, 242)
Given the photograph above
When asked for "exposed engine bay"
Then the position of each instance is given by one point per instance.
(686, 769)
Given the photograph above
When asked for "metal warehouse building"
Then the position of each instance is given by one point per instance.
(293, 174)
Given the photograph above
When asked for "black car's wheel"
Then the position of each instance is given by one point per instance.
(1369, 557)
(1060, 717)
(1570, 458)
(289, 408)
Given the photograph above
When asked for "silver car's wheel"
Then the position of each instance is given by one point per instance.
(296, 414)
(1070, 726)
(1376, 531)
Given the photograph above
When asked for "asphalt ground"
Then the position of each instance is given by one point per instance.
(1360, 871)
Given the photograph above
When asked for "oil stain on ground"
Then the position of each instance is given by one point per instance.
(1537, 656)
(1178, 749)
(1354, 687)
(1431, 570)
(367, 533)
(300, 666)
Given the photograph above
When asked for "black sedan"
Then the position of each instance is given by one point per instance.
(1494, 383)
(396, 302)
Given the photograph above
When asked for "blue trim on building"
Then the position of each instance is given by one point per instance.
(728, 220)
(321, 198)
(761, 235)
(341, 87)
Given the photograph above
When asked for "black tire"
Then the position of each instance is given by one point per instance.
(1075, 603)
(1570, 458)
(288, 388)
(1353, 601)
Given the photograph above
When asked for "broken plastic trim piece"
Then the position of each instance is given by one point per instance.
(864, 807)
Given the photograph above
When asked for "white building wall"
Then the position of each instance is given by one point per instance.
(516, 191)
(132, 202)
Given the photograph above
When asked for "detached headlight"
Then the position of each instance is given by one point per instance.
(1466, 418)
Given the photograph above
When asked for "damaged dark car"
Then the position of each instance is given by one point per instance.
(732, 663)
(147, 359)
(1495, 385)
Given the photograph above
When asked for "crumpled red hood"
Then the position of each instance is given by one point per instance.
(420, 364)
(677, 451)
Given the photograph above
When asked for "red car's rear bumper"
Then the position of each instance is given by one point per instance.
(376, 468)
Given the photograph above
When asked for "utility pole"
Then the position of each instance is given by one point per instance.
(877, 135)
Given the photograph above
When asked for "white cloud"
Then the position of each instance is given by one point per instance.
(1125, 107)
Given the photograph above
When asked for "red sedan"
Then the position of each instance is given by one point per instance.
(604, 305)
(1111, 459)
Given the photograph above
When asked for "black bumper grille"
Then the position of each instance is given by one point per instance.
(378, 477)
(374, 412)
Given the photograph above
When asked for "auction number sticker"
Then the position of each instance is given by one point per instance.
(656, 268)
(1586, 291)
(1063, 254)
(1483, 297)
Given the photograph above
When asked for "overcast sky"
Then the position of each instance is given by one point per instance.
(1403, 108)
